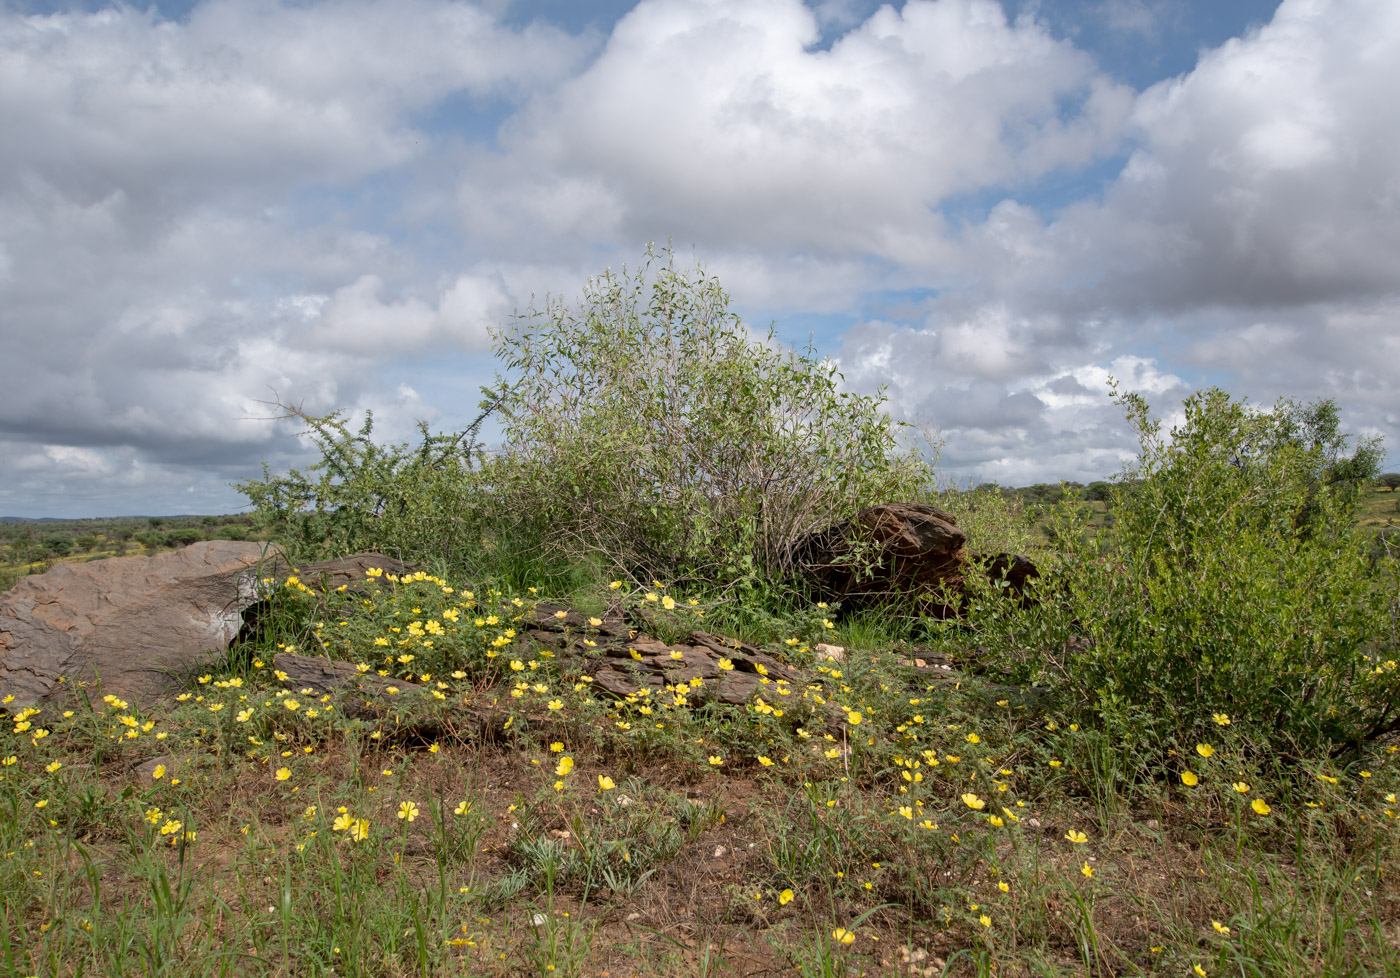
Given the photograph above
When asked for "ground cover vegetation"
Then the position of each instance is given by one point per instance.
(1178, 758)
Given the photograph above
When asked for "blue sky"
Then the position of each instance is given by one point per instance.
(985, 208)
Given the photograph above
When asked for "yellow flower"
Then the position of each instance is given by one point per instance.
(1241, 786)
(556, 704)
(359, 832)
(984, 920)
(1223, 719)
(565, 765)
(605, 783)
(41, 803)
(972, 738)
(1087, 870)
(996, 821)
(1205, 750)
(1074, 835)
(283, 773)
(1004, 886)
(408, 811)
(784, 898)
(53, 766)
(716, 760)
(668, 602)
(843, 936)
(765, 761)
(1189, 779)
(159, 772)
(615, 585)
(853, 717)
(725, 664)
(1219, 927)
(972, 801)
(652, 596)
(1260, 806)
(907, 812)
(1199, 970)
(462, 808)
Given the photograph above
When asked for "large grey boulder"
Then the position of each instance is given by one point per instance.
(142, 625)
(139, 624)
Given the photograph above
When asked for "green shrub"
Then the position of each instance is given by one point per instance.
(1234, 583)
(647, 427)
(420, 502)
(646, 432)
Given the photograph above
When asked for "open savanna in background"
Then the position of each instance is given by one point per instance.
(1177, 755)
(34, 546)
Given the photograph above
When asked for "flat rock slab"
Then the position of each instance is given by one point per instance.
(140, 625)
(624, 660)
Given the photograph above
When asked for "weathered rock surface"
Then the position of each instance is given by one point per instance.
(657, 665)
(623, 660)
(904, 550)
(909, 548)
(140, 625)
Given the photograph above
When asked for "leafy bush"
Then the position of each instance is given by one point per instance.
(1234, 583)
(647, 427)
(413, 501)
(645, 430)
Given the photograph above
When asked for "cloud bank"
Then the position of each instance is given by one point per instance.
(334, 201)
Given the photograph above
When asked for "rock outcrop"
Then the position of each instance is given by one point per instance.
(139, 625)
(623, 660)
(904, 551)
(896, 549)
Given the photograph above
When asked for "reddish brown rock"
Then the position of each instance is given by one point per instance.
(897, 549)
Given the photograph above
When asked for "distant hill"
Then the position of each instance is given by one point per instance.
(31, 519)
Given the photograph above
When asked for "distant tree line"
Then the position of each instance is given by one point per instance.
(26, 542)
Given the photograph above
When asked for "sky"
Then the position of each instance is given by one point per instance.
(986, 209)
